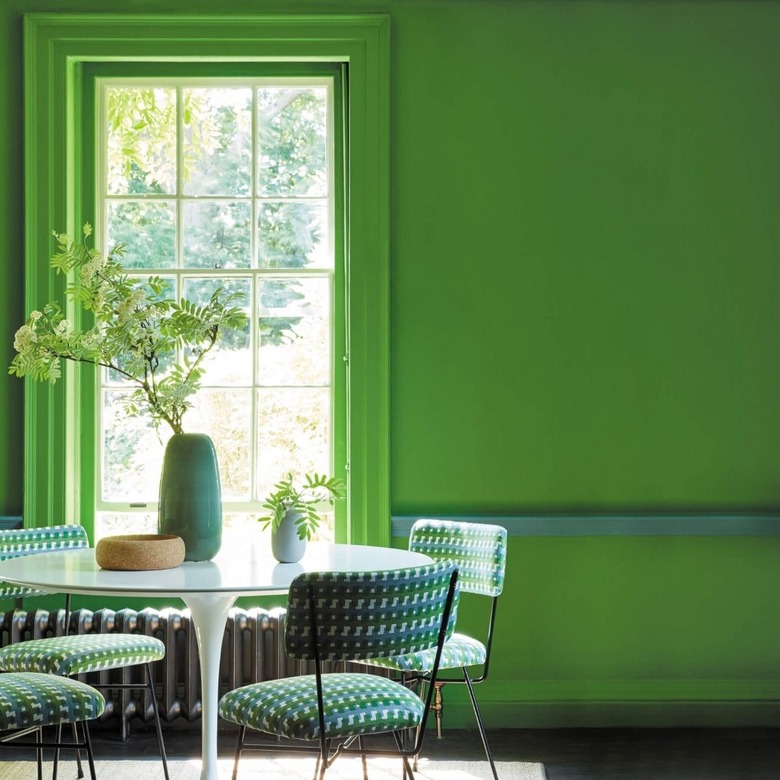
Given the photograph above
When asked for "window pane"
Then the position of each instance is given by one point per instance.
(147, 229)
(132, 453)
(294, 332)
(111, 523)
(237, 527)
(229, 363)
(248, 210)
(293, 235)
(141, 140)
(226, 416)
(293, 434)
(292, 130)
(217, 141)
(217, 235)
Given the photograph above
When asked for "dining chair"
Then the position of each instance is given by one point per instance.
(71, 655)
(479, 552)
(30, 701)
(345, 616)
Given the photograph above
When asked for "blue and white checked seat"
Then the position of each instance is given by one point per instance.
(29, 702)
(479, 552)
(343, 617)
(73, 655)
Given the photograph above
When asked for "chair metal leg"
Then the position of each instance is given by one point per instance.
(157, 722)
(56, 763)
(363, 759)
(480, 724)
(90, 755)
(419, 684)
(239, 746)
(39, 753)
(317, 767)
(79, 768)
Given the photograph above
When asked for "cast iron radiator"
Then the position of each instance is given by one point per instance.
(252, 651)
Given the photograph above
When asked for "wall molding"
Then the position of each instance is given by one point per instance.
(58, 458)
(687, 524)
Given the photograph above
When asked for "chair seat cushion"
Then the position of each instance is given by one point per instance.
(28, 699)
(354, 704)
(69, 655)
(459, 650)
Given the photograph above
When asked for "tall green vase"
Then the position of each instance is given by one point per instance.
(191, 495)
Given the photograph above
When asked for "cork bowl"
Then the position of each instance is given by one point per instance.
(139, 552)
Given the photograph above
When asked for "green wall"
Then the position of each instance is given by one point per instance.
(584, 261)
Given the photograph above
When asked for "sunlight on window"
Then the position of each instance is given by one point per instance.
(225, 185)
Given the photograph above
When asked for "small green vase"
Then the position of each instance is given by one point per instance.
(191, 495)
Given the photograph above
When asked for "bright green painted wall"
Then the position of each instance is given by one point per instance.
(584, 263)
(585, 257)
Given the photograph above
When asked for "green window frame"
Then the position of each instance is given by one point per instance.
(59, 448)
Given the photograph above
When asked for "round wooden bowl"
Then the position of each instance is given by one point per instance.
(139, 552)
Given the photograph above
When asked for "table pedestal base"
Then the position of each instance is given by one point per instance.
(209, 615)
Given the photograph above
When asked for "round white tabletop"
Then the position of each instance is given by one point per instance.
(239, 571)
(209, 589)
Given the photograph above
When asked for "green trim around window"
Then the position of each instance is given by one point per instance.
(57, 47)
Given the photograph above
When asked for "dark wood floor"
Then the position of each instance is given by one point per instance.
(567, 754)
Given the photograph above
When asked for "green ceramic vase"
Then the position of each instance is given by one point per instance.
(191, 495)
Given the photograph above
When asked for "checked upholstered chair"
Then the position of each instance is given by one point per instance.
(479, 552)
(343, 617)
(30, 701)
(71, 655)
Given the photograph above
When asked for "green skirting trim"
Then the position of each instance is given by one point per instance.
(633, 703)
(640, 714)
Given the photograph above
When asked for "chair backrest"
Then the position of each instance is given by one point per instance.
(363, 615)
(15, 543)
(477, 549)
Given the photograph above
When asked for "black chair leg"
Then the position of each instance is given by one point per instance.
(363, 758)
(316, 767)
(480, 724)
(56, 764)
(239, 746)
(157, 721)
(79, 768)
(419, 684)
(90, 754)
(39, 753)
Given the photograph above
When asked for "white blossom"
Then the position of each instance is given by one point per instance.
(91, 267)
(127, 306)
(63, 329)
(92, 340)
(24, 338)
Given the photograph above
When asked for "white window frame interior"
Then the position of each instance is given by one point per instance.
(180, 273)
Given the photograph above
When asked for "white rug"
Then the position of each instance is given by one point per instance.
(270, 768)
